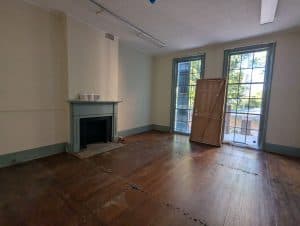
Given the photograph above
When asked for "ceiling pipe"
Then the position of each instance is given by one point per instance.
(138, 31)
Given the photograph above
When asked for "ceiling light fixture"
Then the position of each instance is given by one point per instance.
(138, 31)
(268, 11)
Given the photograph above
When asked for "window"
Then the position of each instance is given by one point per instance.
(248, 74)
(186, 72)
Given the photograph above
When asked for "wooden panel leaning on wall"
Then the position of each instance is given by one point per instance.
(207, 121)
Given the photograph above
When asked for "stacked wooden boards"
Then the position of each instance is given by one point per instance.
(207, 120)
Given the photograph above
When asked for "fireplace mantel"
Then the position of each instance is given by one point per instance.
(94, 102)
(88, 109)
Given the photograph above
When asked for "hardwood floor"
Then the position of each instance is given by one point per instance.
(156, 179)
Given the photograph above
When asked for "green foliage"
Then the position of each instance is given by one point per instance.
(195, 70)
(236, 91)
(236, 76)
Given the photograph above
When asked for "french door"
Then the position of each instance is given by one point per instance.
(248, 72)
(186, 72)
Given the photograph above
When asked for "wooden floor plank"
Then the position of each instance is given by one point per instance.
(156, 179)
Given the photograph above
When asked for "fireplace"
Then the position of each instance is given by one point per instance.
(92, 122)
(95, 130)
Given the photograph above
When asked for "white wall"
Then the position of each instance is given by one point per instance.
(284, 113)
(92, 61)
(33, 77)
(135, 78)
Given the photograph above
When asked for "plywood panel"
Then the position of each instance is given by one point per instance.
(208, 111)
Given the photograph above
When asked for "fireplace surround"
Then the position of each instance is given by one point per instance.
(92, 122)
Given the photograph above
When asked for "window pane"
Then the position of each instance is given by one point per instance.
(239, 136)
(182, 90)
(184, 67)
(195, 67)
(255, 106)
(183, 79)
(181, 115)
(234, 76)
(182, 101)
(231, 105)
(232, 91)
(244, 91)
(228, 133)
(181, 126)
(190, 114)
(247, 60)
(235, 61)
(256, 90)
(192, 93)
(230, 119)
(189, 127)
(241, 120)
(195, 71)
(193, 79)
(258, 75)
(242, 106)
(260, 59)
(245, 76)
(252, 137)
(253, 122)
(188, 73)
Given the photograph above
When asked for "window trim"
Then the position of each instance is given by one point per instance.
(174, 83)
(270, 47)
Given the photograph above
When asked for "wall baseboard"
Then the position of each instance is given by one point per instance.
(31, 154)
(134, 131)
(282, 150)
(143, 129)
(161, 128)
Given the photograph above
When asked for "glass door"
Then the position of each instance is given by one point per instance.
(247, 73)
(187, 71)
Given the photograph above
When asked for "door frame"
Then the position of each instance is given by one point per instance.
(174, 84)
(270, 47)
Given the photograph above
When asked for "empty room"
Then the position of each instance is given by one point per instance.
(149, 113)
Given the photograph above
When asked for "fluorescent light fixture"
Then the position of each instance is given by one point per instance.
(138, 31)
(268, 11)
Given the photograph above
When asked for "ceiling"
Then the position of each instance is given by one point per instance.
(181, 24)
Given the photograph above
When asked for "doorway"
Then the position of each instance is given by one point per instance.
(186, 71)
(248, 71)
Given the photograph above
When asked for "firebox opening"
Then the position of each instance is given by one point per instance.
(95, 130)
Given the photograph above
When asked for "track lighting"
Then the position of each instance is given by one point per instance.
(139, 32)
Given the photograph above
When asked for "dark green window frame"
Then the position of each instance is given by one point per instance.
(270, 48)
(174, 83)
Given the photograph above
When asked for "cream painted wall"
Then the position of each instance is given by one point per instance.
(33, 77)
(135, 81)
(92, 61)
(284, 113)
